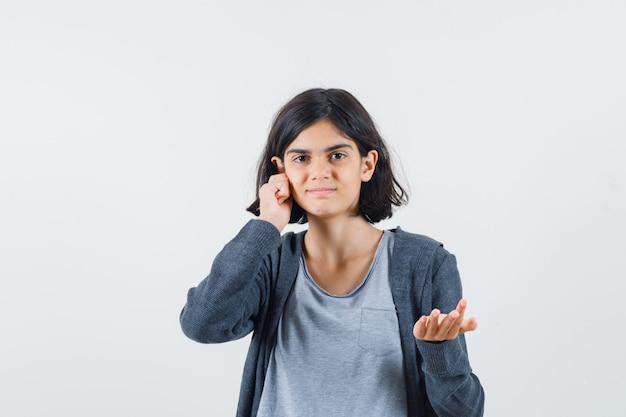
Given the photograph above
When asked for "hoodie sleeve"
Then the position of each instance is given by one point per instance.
(224, 305)
(452, 389)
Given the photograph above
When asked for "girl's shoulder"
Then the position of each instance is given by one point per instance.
(418, 247)
(405, 237)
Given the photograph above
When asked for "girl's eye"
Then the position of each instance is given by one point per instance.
(338, 155)
(300, 158)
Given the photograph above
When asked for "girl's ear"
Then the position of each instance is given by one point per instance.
(369, 165)
(278, 163)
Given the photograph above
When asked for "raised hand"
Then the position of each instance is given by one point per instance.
(275, 201)
(439, 327)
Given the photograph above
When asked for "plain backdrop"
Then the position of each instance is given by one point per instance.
(129, 134)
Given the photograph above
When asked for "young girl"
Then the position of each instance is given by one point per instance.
(346, 318)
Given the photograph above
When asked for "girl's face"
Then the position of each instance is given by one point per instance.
(325, 170)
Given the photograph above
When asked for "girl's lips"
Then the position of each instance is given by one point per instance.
(320, 191)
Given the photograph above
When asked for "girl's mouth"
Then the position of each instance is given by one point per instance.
(320, 191)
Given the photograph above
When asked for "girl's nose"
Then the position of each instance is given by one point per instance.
(319, 168)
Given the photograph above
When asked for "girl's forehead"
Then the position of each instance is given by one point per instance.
(320, 135)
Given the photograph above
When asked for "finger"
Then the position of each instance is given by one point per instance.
(432, 325)
(461, 306)
(281, 184)
(451, 325)
(448, 325)
(469, 325)
(271, 191)
(455, 320)
(282, 192)
(419, 329)
(278, 178)
(272, 199)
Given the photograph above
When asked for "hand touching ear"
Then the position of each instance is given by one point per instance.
(439, 327)
(275, 198)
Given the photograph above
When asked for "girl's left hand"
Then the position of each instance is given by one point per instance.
(439, 327)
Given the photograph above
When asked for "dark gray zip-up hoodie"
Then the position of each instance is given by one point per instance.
(253, 275)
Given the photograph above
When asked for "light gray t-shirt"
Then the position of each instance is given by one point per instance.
(338, 356)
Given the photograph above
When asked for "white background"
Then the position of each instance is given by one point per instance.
(129, 134)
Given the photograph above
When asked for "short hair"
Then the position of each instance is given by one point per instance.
(379, 194)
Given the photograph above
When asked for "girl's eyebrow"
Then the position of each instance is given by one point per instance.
(329, 149)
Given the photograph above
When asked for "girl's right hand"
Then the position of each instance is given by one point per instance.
(275, 201)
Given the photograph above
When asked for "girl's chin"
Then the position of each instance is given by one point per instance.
(319, 211)
(325, 208)
(328, 212)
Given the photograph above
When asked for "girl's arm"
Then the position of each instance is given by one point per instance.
(452, 389)
(224, 305)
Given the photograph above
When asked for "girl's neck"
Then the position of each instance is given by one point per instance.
(338, 239)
